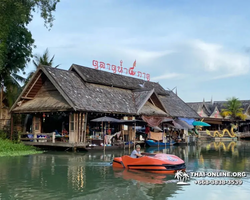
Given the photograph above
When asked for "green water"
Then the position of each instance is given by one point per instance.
(64, 175)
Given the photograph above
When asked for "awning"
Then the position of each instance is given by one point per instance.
(173, 124)
(184, 124)
(188, 120)
(153, 120)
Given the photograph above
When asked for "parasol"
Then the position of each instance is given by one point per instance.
(200, 123)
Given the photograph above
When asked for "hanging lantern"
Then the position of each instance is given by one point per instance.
(44, 115)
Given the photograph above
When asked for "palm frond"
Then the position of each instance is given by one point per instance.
(241, 116)
(18, 77)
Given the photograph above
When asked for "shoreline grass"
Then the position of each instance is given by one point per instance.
(9, 148)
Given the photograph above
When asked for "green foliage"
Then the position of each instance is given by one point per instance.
(16, 40)
(42, 60)
(9, 148)
(233, 109)
(3, 135)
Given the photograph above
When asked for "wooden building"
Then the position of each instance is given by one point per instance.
(67, 100)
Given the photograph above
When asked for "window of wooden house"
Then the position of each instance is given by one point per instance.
(37, 123)
(71, 122)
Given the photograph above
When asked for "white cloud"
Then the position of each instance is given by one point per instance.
(143, 56)
(221, 62)
(166, 76)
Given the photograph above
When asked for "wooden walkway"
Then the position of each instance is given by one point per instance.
(244, 135)
(57, 144)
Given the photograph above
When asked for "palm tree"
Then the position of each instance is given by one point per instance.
(233, 109)
(179, 175)
(42, 60)
(185, 177)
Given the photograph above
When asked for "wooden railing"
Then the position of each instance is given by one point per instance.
(49, 137)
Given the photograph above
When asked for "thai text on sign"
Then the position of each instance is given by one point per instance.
(120, 69)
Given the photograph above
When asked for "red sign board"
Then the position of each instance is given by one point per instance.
(120, 69)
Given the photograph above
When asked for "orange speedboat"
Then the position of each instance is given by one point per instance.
(157, 163)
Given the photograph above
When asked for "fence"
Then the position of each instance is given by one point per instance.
(41, 137)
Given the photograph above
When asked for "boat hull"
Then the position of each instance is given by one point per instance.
(155, 144)
(155, 163)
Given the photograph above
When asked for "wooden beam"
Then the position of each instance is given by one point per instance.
(33, 84)
(152, 101)
(28, 98)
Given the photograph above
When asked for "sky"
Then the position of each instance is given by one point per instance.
(202, 48)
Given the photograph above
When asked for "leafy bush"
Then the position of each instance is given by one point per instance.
(9, 148)
(3, 134)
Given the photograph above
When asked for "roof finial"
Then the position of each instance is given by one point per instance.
(212, 99)
(203, 100)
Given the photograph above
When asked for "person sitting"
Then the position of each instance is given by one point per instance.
(136, 152)
(64, 132)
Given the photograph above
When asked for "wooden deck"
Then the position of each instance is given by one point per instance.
(244, 135)
(57, 144)
(50, 142)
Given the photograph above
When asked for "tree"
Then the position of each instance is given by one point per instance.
(42, 60)
(16, 40)
(233, 109)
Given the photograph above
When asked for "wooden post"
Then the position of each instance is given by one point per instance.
(11, 126)
(134, 136)
(78, 127)
(82, 127)
(85, 127)
(53, 137)
(165, 142)
(129, 144)
(103, 139)
(80, 133)
(123, 139)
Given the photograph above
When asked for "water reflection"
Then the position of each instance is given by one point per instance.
(91, 176)
(140, 176)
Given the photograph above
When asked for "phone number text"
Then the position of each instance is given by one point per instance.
(218, 182)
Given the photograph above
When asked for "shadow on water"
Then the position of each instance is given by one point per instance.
(64, 175)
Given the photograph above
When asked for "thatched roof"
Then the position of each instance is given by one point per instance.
(176, 107)
(149, 109)
(211, 106)
(53, 101)
(86, 90)
(115, 80)
(141, 97)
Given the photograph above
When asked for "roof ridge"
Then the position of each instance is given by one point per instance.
(45, 66)
(113, 73)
